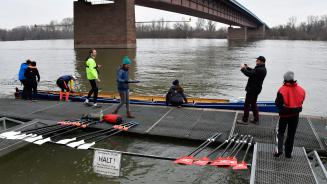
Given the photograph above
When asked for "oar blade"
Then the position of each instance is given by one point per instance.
(187, 160)
(33, 139)
(65, 141)
(202, 162)
(42, 141)
(241, 166)
(86, 146)
(75, 144)
(233, 161)
(9, 135)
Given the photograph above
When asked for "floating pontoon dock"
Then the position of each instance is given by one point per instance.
(191, 124)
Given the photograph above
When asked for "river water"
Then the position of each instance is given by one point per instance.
(205, 67)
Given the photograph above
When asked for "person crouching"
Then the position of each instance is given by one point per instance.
(175, 95)
(65, 83)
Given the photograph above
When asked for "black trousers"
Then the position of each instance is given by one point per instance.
(25, 86)
(94, 90)
(31, 90)
(291, 124)
(63, 85)
(251, 103)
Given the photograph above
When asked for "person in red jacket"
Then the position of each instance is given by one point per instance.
(289, 101)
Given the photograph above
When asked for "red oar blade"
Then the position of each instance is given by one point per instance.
(241, 166)
(222, 162)
(187, 160)
(203, 161)
(216, 161)
(232, 161)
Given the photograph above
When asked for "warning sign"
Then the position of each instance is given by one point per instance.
(107, 162)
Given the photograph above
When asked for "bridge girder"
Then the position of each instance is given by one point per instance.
(223, 11)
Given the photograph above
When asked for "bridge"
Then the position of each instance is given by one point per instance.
(112, 25)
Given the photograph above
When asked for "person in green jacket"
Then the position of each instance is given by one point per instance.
(92, 75)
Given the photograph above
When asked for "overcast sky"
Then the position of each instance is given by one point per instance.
(28, 12)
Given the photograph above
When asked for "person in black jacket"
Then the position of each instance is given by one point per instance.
(32, 77)
(175, 95)
(253, 89)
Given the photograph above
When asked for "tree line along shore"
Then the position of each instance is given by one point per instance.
(315, 28)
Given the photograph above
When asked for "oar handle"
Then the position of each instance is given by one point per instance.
(110, 135)
(110, 130)
(99, 131)
(87, 124)
(240, 143)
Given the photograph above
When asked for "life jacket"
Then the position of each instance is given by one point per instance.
(293, 95)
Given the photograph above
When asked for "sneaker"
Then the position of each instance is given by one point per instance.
(288, 156)
(239, 121)
(254, 121)
(96, 105)
(86, 101)
(276, 154)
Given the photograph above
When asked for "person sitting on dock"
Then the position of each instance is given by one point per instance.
(22, 78)
(289, 101)
(175, 95)
(65, 83)
(253, 89)
(31, 74)
(123, 86)
(92, 74)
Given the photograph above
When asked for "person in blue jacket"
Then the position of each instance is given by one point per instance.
(22, 78)
(123, 86)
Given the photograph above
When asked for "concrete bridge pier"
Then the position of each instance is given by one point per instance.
(104, 25)
(245, 33)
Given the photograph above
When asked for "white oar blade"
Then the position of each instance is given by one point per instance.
(74, 144)
(9, 133)
(42, 141)
(5, 135)
(86, 146)
(17, 137)
(65, 141)
(33, 139)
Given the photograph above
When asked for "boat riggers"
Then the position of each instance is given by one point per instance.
(189, 159)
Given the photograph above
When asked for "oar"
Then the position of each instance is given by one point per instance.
(78, 143)
(219, 158)
(205, 160)
(48, 139)
(88, 145)
(232, 160)
(14, 134)
(243, 165)
(188, 160)
(225, 161)
(33, 132)
(65, 141)
(33, 139)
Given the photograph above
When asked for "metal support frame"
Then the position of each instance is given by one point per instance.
(310, 165)
(254, 163)
(316, 160)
